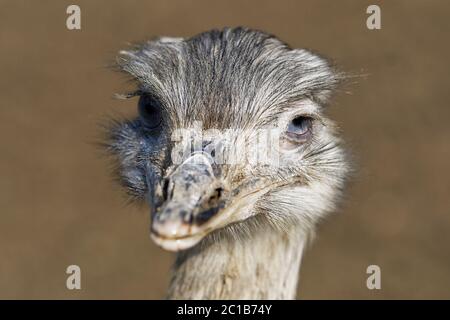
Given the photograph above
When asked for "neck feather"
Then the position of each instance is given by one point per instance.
(264, 265)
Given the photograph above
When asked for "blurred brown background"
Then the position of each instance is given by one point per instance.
(59, 206)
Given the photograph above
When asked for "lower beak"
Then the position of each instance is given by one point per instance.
(193, 198)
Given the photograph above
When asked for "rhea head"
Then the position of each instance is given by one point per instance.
(232, 84)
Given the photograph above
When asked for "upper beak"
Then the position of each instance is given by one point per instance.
(192, 198)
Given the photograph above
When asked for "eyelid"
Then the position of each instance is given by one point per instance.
(311, 115)
(298, 139)
(155, 126)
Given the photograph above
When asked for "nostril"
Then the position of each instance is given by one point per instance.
(218, 192)
(165, 189)
(214, 199)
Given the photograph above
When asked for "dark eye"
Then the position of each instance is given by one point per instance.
(299, 129)
(150, 111)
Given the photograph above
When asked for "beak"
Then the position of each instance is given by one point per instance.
(192, 199)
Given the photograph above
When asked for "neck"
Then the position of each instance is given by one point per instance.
(264, 265)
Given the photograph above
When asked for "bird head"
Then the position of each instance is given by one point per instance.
(230, 133)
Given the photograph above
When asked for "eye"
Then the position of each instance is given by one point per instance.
(299, 129)
(150, 111)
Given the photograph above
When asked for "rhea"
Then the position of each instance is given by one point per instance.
(239, 228)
